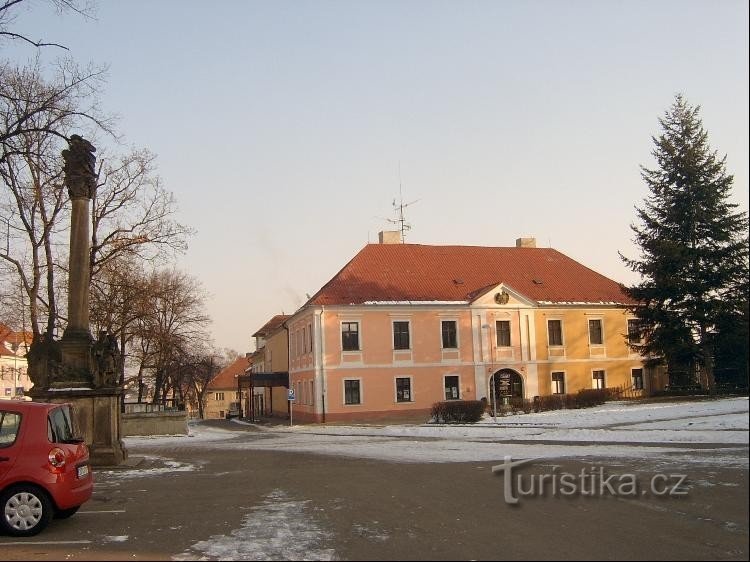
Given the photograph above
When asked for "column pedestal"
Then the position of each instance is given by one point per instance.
(97, 420)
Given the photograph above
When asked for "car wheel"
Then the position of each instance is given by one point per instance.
(24, 510)
(65, 513)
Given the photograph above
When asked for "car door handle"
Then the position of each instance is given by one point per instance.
(4, 459)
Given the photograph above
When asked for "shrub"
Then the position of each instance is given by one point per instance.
(589, 397)
(457, 411)
(552, 402)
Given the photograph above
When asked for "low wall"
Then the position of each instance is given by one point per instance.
(154, 423)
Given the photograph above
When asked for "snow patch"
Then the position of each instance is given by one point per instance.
(278, 529)
(116, 538)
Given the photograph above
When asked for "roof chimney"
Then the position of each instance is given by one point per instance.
(525, 242)
(389, 237)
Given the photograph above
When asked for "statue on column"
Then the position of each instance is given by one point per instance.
(106, 361)
(80, 167)
(44, 360)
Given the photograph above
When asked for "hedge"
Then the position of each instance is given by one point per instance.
(457, 411)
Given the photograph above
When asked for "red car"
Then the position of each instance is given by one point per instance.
(44, 468)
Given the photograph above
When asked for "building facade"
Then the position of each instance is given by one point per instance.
(269, 369)
(403, 326)
(14, 379)
(223, 395)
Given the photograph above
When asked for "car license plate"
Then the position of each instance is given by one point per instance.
(83, 471)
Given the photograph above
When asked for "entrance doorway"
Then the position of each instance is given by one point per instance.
(504, 385)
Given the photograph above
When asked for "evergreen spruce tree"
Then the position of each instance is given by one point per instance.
(692, 298)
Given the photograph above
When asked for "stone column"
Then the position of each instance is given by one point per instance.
(75, 346)
(78, 272)
(77, 378)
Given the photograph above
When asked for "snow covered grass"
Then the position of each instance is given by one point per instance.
(705, 432)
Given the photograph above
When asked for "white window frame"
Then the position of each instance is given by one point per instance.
(510, 333)
(440, 331)
(604, 379)
(361, 391)
(564, 382)
(599, 319)
(562, 332)
(358, 322)
(411, 389)
(460, 393)
(393, 334)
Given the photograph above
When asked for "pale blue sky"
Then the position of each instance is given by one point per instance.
(280, 126)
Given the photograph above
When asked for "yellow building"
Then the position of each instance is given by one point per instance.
(223, 397)
(403, 326)
(269, 369)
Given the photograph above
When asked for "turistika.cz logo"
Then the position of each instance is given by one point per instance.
(589, 482)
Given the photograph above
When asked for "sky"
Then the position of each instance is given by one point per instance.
(286, 129)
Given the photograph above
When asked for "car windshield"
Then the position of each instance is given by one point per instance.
(60, 426)
(9, 423)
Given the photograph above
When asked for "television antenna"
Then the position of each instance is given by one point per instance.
(398, 209)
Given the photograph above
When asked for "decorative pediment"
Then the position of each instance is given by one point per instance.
(501, 295)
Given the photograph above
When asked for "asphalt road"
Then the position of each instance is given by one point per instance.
(195, 501)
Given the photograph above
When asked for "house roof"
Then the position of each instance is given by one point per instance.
(407, 273)
(227, 377)
(9, 339)
(271, 326)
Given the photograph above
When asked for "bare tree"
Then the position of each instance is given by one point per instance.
(36, 115)
(173, 324)
(133, 215)
(9, 10)
(33, 103)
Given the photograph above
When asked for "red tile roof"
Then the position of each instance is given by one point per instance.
(10, 339)
(272, 325)
(415, 272)
(227, 377)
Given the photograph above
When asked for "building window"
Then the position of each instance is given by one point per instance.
(350, 336)
(310, 336)
(304, 339)
(637, 379)
(595, 332)
(403, 389)
(219, 396)
(450, 341)
(598, 381)
(558, 383)
(452, 391)
(502, 328)
(351, 392)
(554, 330)
(634, 331)
(400, 335)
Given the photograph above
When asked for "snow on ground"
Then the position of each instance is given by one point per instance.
(280, 528)
(204, 434)
(163, 466)
(713, 432)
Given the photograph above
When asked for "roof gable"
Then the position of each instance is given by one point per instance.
(271, 326)
(227, 377)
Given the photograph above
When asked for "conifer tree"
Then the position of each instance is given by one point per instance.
(694, 252)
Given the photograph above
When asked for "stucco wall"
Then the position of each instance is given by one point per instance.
(156, 423)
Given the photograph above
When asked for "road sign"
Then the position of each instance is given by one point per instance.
(291, 395)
